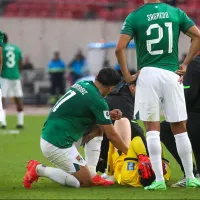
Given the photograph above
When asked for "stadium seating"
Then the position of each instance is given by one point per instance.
(106, 9)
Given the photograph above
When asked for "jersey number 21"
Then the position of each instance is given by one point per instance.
(168, 25)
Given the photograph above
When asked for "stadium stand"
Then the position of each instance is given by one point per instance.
(114, 10)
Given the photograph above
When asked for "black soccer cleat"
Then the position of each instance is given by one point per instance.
(3, 127)
(20, 126)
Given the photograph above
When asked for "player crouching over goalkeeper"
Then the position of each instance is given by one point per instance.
(135, 168)
(82, 107)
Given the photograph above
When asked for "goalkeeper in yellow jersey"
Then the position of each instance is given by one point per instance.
(135, 168)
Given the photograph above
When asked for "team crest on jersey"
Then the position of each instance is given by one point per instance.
(79, 159)
(130, 166)
(106, 114)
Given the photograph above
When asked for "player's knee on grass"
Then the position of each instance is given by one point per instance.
(83, 176)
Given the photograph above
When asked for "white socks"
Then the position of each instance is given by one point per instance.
(155, 150)
(184, 149)
(3, 118)
(20, 118)
(57, 175)
(92, 152)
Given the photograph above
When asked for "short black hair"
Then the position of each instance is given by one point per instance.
(5, 40)
(108, 77)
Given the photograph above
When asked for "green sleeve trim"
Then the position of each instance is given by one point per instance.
(188, 27)
(105, 123)
(126, 33)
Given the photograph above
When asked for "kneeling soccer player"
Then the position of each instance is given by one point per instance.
(80, 108)
(135, 168)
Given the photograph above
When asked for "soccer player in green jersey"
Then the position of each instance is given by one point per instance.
(10, 79)
(80, 108)
(1, 62)
(155, 28)
(1, 52)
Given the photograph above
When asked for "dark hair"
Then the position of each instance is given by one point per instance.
(5, 40)
(108, 77)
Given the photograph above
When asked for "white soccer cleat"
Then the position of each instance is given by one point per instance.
(181, 183)
(107, 177)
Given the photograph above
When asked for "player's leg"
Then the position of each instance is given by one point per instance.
(92, 152)
(193, 132)
(5, 90)
(71, 171)
(92, 149)
(147, 102)
(136, 130)
(175, 113)
(167, 138)
(123, 128)
(18, 94)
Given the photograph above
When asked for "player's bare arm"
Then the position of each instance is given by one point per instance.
(1, 59)
(121, 57)
(194, 34)
(114, 138)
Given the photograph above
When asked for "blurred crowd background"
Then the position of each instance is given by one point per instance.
(69, 55)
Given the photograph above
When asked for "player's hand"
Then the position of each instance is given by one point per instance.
(116, 114)
(131, 78)
(181, 72)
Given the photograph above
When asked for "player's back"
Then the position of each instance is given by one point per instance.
(11, 60)
(74, 113)
(156, 30)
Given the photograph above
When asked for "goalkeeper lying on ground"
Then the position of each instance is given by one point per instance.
(133, 169)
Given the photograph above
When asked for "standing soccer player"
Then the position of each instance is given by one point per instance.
(155, 28)
(10, 78)
(1, 63)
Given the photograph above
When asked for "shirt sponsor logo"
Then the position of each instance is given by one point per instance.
(106, 114)
(130, 166)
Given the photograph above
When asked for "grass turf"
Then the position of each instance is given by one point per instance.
(16, 150)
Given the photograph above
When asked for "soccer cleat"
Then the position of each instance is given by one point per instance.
(20, 126)
(156, 185)
(181, 183)
(192, 183)
(99, 181)
(107, 177)
(31, 174)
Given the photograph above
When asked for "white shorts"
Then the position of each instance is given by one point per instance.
(1, 108)
(68, 159)
(159, 89)
(11, 88)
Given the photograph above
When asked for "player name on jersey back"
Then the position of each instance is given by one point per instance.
(159, 15)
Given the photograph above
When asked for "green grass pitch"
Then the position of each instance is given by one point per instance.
(16, 150)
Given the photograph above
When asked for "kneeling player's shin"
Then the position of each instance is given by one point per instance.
(92, 152)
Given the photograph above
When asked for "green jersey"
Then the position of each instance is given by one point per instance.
(155, 28)
(11, 58)
(1, 38)
(80, 108)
